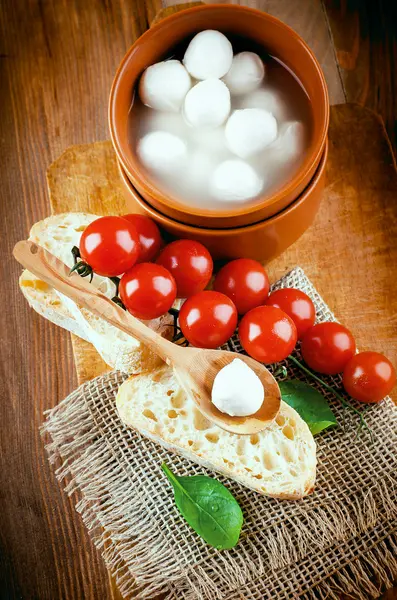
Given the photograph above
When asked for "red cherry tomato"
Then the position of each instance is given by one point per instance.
(297, 305)
(208, 319)
(369, 377)
(190, 263)
(267, 334)
(149, 237)
(327, 347)
(110, 245)
(147, 290)
(245, 282)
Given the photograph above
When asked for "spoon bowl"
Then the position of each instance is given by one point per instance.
(197, 376)
(195, 368)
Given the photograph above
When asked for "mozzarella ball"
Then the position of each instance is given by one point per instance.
(207, 104)
(249, 131)
(237, 390)
(266, 99)
(290, 143)
(235, 180)
(197, 172)
(166, 121)
(207, 150)
(163, 86)
(162, 151)
(245, 74)
(211, 141)
(208, 55)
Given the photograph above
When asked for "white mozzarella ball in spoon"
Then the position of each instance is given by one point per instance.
(164, 85)
(208, 55)
(249, 131)
(162, 152)
(207, 104)
(266, 99)
(246, 73)
(235, 181)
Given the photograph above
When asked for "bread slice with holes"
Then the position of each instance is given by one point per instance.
(58, 234)
(279, 461)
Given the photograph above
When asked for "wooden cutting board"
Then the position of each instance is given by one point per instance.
(347, 252)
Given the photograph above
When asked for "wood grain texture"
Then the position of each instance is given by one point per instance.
(89, 363)
(72, 186)
(365, 39)
(57, 61)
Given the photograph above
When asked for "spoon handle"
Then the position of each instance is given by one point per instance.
(51, 270)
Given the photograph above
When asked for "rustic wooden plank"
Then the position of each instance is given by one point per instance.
(365, 39)
(57, 61)
(72, 186)
(89, 363)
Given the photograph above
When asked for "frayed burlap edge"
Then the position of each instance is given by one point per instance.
(366, 577)
(79, 448)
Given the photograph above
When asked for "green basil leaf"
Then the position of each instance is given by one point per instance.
(208, 507)
(309, 404)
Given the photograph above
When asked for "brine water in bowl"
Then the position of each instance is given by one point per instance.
(222, 143)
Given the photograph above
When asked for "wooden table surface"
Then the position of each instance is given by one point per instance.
(57, 60)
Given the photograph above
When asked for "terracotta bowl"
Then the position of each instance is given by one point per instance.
(278, 40)
(262, 241)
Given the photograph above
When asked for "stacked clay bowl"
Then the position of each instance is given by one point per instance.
(261, 230)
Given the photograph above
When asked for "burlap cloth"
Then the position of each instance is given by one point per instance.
(341, 539)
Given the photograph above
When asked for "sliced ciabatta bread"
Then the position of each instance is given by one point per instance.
(279, 462)
(45, 301)
(58, 234)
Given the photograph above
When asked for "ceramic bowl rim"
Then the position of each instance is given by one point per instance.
(164, 199)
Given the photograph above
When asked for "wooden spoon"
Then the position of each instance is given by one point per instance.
(194, 368)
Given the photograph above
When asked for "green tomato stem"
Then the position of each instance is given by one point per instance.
(281, 371)
(325, 385)
(76, 254)
(116, 281)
